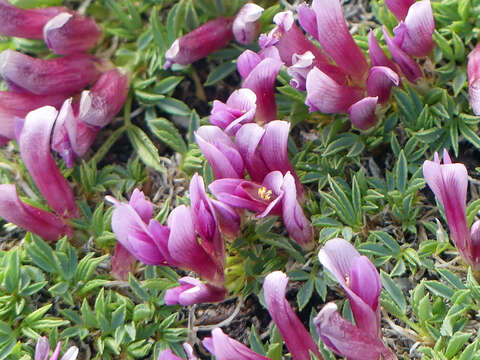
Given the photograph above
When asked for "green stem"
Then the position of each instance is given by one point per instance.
(107, 145)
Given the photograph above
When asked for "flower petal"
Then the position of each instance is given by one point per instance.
(247, 141)
(246, 62)
(204, 40)
(14, 104)
(326, 95)
(184, 248)
(42, 349)
(414, 36)
(122, 262)
(380, 81)
(228, 219)
(25, 23)
(336, 40)
(473, 71)
(364, 280)
(224, 347)
(34, 143)
(220, 152)
(245, 26)
(409, 67)
(192, 291)
(66, 75)
(299, 342)
(362, 113)
(261, 81)
(70, 354)
(399, 8)
(298, 226)
(449, 183)
(377, 56)
(99, 106)
(347, 340)
(141, 205)
(69, 33)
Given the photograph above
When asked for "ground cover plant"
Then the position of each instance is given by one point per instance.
(203, 179)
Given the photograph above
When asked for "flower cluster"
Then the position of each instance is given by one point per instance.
(34, 82)
(191, 240)
(360, 281)
(42, 350)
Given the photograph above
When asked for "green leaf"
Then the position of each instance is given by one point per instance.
(145, 149)
(457, 341)
(394, 291)
(12, 274)
(168, 84)
(220, 73)
(168, 133)
(304, 294)
(401, 172)
(173, 106)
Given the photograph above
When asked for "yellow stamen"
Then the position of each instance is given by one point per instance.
(264, 193)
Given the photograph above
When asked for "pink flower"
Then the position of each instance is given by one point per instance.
(193, 291)
(473, 71)
(246, 26)
(42, 350)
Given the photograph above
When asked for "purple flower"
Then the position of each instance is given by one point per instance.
(261, 80)
(326, 95)
(473, 71)
(449, 183)
(245, 26)
(193, 291)
(399, 8)
(70, 33)
(409, 67)
(333, 34)
(221, 153)
(239, 109)
(26, 23)
(299, 342)
(276, 195)
(360, 280)
(14, 105)
(71, 137)
(224, 347)
(202, 41)
(66, 75)
(99, 106)
(288, 39)
(362, 113)
(34, 144)
(414, 35)
(169, 355)
(38, 221)
(42, 350)
(265, 149)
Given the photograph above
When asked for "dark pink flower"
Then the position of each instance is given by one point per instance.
(202, 41)
(399, 8)
(192, 291)
(70, 33)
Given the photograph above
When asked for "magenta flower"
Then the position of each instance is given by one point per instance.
(71, 137)
(473, 72)
(34, 144)
(361, 282)
(449, 182)
(326, 95)
(380, 81)
(99, 106)
(362, 113)
(409, 67)
(122, 262)
(177, 243)
(70, 33)
(245, 25)
(399, 8)
(299, 342)
(221, 153)
(239, 109)
(169, 355)
(38, 221)
(14, 105)
(377, 56)
(326, 23)
(66, 75)
(42, 350)
(193, 291)
(202, 41)
(264, 149)
(224, 347)
(276, 195)
(26, 23)
(261, 80)
(414, 35)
